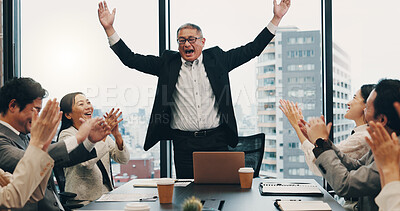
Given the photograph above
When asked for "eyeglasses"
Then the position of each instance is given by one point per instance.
(182, 40)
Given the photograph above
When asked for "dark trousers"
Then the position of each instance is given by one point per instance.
(185, 143)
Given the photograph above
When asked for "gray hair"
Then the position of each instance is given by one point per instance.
(190, 26)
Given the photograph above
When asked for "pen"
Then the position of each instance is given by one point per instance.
(149, 198)
(287, 199)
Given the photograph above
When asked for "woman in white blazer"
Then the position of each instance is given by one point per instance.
(90, 179)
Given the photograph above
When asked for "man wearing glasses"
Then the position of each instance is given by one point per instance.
(193, 103)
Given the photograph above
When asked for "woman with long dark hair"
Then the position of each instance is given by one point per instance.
(90, 179)
(355, 145)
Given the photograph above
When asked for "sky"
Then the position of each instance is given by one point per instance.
(65, 48)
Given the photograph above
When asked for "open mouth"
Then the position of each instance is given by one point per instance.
(188, 52)
(88, 114)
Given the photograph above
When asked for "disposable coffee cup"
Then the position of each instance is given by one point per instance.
(137, 206)
(246, 177)
(165, 191)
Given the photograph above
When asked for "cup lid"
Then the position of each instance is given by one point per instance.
(139, 206)
(165, 181)
(246, 170)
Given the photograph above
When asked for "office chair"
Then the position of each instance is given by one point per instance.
(253, 148)
(66, 198)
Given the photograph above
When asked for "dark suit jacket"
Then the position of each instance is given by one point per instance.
(218, 64)
(12, 150)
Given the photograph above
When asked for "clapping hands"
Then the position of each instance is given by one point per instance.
(95, 129)
(44, 126)
(112, 120)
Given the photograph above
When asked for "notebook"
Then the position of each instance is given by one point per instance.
(217, 167)
(289, 189)
(302, 205)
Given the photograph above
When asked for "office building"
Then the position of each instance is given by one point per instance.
(290, 68)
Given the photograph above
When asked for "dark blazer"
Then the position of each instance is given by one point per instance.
(12, 150)
(217, 63)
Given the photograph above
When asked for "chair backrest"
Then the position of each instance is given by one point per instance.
(253, 148)
(60, 177)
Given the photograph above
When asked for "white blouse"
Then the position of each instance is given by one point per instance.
(389, 197)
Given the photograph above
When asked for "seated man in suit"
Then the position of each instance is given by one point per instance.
(19, 98)
(350, 177)
(33, 171)
(386, 150)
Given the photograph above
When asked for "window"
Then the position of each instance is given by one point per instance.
(301, 67)
(293, 145)
(268, 118)
(269, 81)
(266, 106)
(309, 39)
(266, 93)
(266, 56)
(292, 40)
(266, 69)
(81, 60)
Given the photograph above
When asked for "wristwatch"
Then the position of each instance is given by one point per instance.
(321, 145)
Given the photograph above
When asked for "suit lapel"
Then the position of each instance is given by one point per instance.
(210, 67)
(174, 68)
(7, 132)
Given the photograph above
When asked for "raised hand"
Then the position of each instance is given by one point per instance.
(316, 129)
(291, 111)
(386, 150)
(44, 127)
(113, 121)
(106, 18)
(302, 124)
(280, 10)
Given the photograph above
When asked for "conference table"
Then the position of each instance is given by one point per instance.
(234, 197)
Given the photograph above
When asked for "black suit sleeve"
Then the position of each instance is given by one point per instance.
(148, 64)
(238, 56)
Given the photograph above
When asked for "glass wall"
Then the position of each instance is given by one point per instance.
(365, 50)
(65, 48)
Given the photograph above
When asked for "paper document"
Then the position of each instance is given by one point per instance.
(302, 205)
(127, 197)
(276, 188)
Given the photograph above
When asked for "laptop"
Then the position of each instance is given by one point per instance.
(217, 167)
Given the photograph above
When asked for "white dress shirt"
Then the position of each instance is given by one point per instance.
(389, 197)
(354, 146)
(195, 107)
